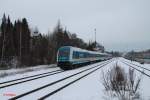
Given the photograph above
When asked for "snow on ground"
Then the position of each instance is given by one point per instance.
(144, 85)
(15, 71)
(27, 86)
(52, 88)
(138, 63)
(91, 88)
(88, 88)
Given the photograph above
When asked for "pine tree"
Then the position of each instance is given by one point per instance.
(9, 49)
(3, 39)
(24, 42)
(25, 37)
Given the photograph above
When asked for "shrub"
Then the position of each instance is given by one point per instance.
(121, 85)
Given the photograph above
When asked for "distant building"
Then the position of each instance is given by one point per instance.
(35, 34)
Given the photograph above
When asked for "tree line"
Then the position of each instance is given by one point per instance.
(21, 46)
(14, 41)
(140, 56)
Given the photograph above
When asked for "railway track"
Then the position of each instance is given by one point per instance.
(138, 66)
(92, 69)
(27, 79)
(132, 66)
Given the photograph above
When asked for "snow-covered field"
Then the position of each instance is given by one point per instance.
(10, 72)
(88, 88)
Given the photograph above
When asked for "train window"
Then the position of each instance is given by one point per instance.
(75, 54)
(86, 55)
(81, 55)
(63, 53)
(90, 55)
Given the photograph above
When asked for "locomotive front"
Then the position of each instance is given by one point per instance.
(63, 57)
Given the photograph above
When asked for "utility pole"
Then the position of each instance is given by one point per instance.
(95, 37)
(20, 43)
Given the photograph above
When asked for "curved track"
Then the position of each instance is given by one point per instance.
(138, 66)
(133, 66)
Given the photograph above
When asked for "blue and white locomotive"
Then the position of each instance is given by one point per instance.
(69, 57)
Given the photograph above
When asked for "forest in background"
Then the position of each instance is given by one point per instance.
(22, 46)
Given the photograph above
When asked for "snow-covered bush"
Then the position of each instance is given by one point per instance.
(121, 85)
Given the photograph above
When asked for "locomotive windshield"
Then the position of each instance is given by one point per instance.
(63, 53)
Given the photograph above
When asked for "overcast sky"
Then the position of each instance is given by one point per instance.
(121, 24)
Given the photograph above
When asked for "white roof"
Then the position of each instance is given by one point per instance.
(79, 49)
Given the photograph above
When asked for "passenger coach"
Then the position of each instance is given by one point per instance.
(69, 57)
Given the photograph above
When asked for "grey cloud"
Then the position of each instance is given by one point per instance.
(121, 24)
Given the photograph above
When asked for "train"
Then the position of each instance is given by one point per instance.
(69, 57)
